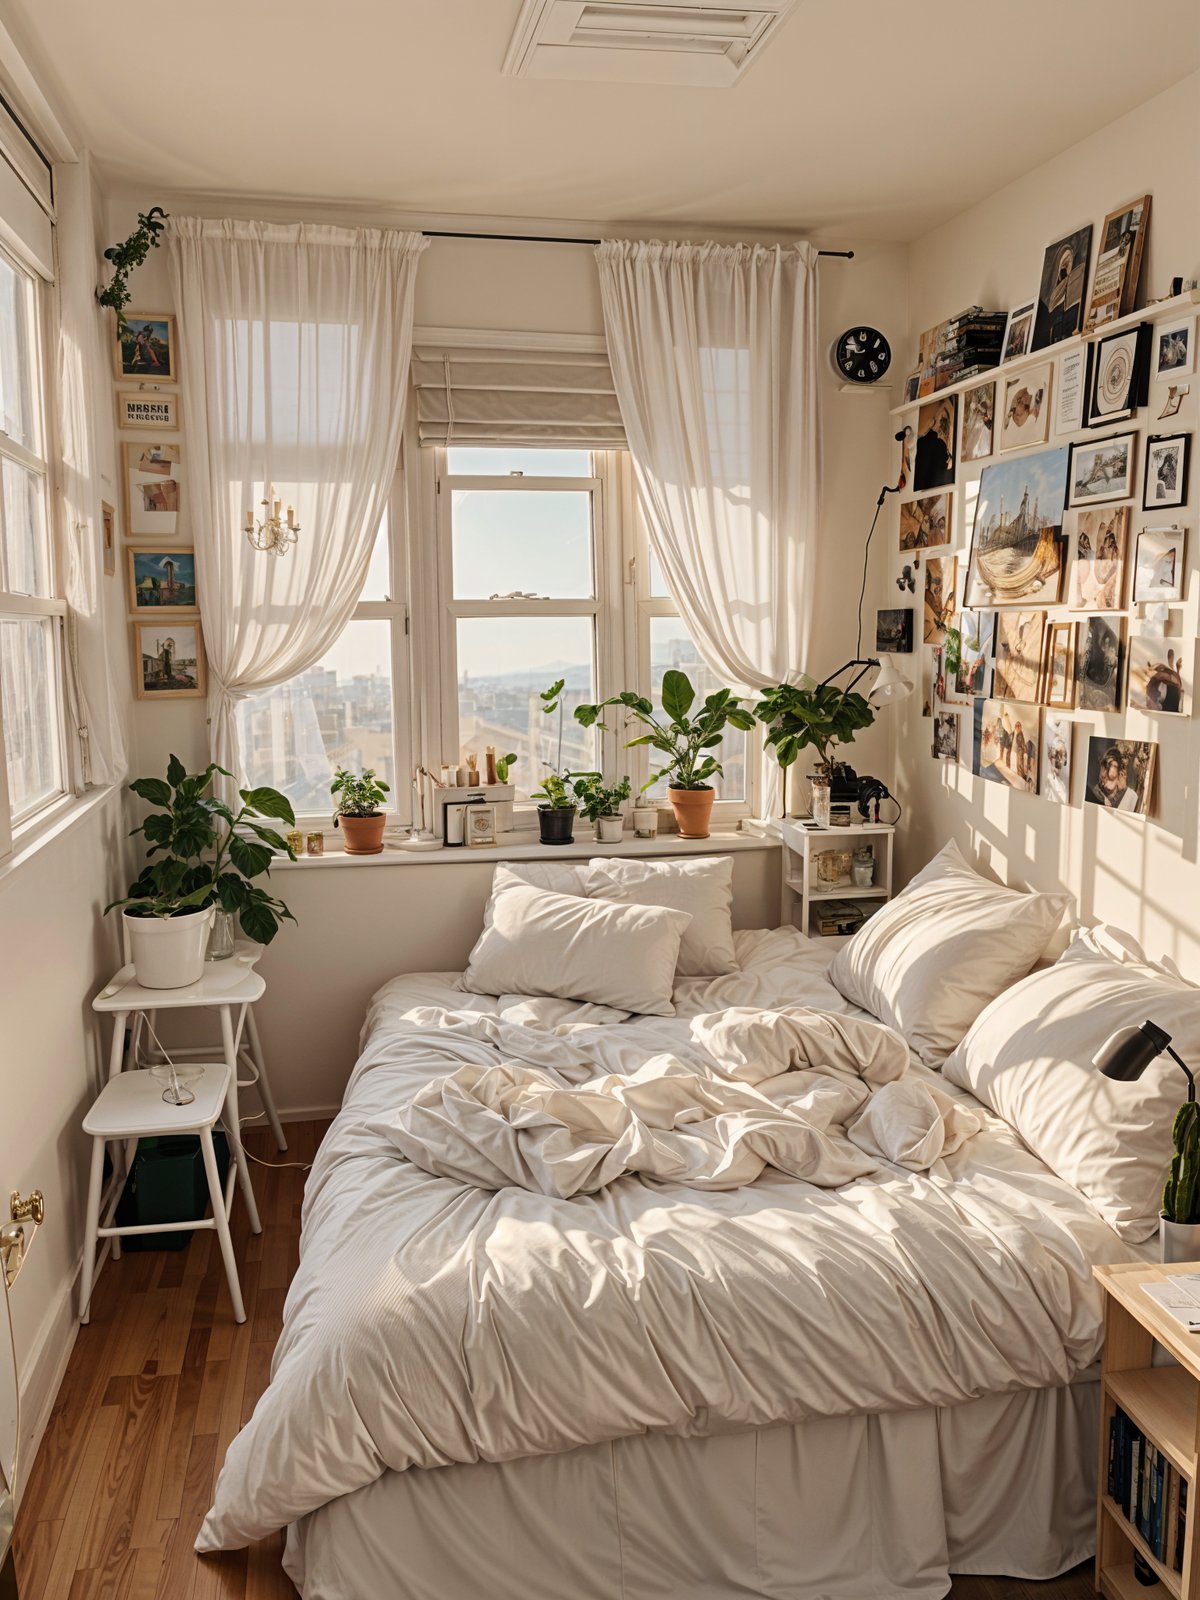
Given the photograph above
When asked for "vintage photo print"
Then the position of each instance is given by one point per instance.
(1020, 643)
(1055, 768)
(945, 735)
(152, 479)
(1016, 539)
(1058, 677)
(1103, 470)
(976, 643)
(940, 598)
(1118, 263)
(894, 631)
(937, 423)
(161, 581)
(1120, 774)
(1018, 332)
(1006, 744)
(979, 422)
(1165, 483)
(1158, 566)
(1062, 288)
(1026, 417)
(1099, 545)
(145, 347)
(1175, 349)
(925, 523)
(1159, 680)
(1100, 664)
(168, 660)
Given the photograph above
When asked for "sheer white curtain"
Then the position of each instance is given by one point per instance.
(714, 356)
(295, 346)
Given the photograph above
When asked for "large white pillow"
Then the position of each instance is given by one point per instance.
(700, 885)
(1029, 1057)
(535, 941)
(930, 960)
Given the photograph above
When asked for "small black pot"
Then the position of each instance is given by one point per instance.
(557, 824)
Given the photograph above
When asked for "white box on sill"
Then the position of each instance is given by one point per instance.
(500, 795)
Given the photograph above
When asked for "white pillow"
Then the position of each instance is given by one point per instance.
(701, 885)
(535, 941)
(929, 961)
(1029, 1057)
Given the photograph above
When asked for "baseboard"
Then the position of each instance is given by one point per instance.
(46, 1371)
(309, 1113)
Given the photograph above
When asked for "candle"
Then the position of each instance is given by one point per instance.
(291, 517)
(249, 522)
(490, 758)
(278, 503)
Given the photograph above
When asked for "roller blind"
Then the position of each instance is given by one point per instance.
(26, 196)
(494, 395)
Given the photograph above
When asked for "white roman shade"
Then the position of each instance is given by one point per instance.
(26, 196)
(513, 394)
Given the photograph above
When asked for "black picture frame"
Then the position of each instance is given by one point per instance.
(935, 458)
(1137, 388)
(1178, 491)
(1063, 288)
(894, 636)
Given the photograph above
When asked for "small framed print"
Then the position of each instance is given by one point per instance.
(1160, 679)
(1120, 376)
(152, 477)
(145, 347)
(945, 736)
(925, 523)
(1158, 566)
(148, 408)
(1099, 545)
(1174, 349)
(161, 581)
(108, 538)
(479, 825)
(1058, 679)
(1165, 477)
(1101, 470)
(1074, 371)
(978, 422)
(168, 660)
(1025, 419)
(1055, 768)
(1100, 663)
(1020, 648)
(1018, 331)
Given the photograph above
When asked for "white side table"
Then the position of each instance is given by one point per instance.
(800, 891)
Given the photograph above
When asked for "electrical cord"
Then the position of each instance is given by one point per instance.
(10, 1482)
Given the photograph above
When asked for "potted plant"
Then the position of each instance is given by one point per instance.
(357, 810)
(1179, 1220)
(686, 741)
(556, 800)
(811, 716)
(601, 803)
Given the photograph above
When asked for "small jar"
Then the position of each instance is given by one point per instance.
(863, 870)
(316, 844)
(222, 936)
(821, 801)
(295, 841)
(645, 821)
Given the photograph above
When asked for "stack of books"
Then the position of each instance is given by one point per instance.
(840, 916)
(961, 347)
(1148, 1489)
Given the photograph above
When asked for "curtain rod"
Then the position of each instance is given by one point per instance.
(549, 238)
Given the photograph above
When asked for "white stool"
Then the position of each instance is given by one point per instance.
(131, 1107)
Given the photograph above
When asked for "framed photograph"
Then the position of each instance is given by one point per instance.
(1102, 470)
(937, 425)
(1018, 331)
(1120, 774)
(1058, 675)
(925, 523)
(1054, 770)
(168, 660)
(162, 581)
(1120, 376)
(1158, 565)
(979, 422)
(1025, 419)
(479, 825)
(1020, 644)
(148, 408)
(1175, 349)
(976, 644)
(931, 687)
(1160, 680)
(1074, 371)
(945, 735)
(894, 631)
(940, 598)
(1062, 288)
(912, 386)
(1118, 263)
(108, 538)
(1016, 538)
(1100, 663)
(1165, 476)
(153, 476)
(1099, 546)
(146, 347)
(1006, 744)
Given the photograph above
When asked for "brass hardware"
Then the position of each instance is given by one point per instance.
(31, 1210)
(12, 1251)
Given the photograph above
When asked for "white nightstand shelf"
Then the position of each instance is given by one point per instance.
(801, 846)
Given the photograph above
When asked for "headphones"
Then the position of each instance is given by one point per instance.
(871, 791)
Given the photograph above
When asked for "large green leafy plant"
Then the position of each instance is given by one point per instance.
(811, 716)
(1181, 1196)
(596, 798)
(687, 741)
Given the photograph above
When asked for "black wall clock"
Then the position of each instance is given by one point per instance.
(862, 355)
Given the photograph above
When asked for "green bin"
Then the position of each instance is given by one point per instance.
(168, 1184)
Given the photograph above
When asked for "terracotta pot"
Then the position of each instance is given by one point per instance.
(693, 811)
(364, 835)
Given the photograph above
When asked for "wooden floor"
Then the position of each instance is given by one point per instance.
(159, 1382)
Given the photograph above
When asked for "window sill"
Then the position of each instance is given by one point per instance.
(50, 825)
(522, 845)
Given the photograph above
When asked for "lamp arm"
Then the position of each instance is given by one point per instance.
(1187, 1071)
(865, 662)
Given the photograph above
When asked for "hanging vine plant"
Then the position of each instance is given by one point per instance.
(129, 255)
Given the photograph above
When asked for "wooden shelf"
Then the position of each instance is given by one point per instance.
(1167, 1576)
(849, 892)
(1119, 1583)
(1162, 1401)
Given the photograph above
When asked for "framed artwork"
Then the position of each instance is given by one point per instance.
(1120, 774)
(1025, 419)
(1099, 545)
(479, 825)
(1160, 679)
(894, 631)
(1054, 771)
(925, 522)
(162, 581)
(1062, 288)
(1016, 538)
(168, 660)
(1120, 376)
(1165, 476)
(912, 385)
(1074, 371)
(940, 598)
(1158, 565)
(108, 538)
(1118, 263)
(937, 425)
(945, 735)
(148, 408)
(146, 347)
(1020, 643)
(1058, 676)
(1018, 331)
(979, 422)
(1100, 663)
(1175, 349)
(1006, 744)
(152, 478)
(976, 644)
(1102, 470)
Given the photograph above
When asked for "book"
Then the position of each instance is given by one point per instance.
(1181, 1525)
(1171, 1518)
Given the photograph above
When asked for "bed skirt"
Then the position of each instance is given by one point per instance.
(843, 1508)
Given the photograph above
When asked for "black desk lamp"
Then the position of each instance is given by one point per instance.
(1131, 1050)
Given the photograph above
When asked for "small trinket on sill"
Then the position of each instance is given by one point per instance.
(489, 756)
(295, 841)
(316, 844)
(462, 778)
(472, 769)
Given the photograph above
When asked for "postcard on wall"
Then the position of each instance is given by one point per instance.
(1158, 568)
(162, 581)
(1100, 663)
(1074, 367)
(1055, 768)
(146, 347)
(945, 735)
(932, 689)
(937, 423)
(1006, 744)
(1175, 349)
(1118, 263)
(979, 421)
(976, 643)
(148, 408)
(1018, 331)
(1160, 678)
(1016, 539)
(1099, 547)
(168, 660)
(1166, 472)
(153, 479)
(940, 598)
(1120, 774)
(1020, 642)
(894, 631)
(1102, 471)
(1026, 417)
(1063, 286)
(925, 522)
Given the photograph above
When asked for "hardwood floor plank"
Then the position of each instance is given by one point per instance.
(143, 1576)
(34, 1544)
(79, 1504)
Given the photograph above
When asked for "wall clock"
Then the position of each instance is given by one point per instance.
(862, 355)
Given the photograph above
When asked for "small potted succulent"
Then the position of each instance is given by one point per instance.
(556, 799)
(601, 803)
(357, 810)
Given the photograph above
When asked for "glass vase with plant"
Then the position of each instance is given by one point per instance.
(357, 801)
(811, 716)
(556, 798)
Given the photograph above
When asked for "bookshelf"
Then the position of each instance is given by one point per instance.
(1163, 1404)
(801, 894)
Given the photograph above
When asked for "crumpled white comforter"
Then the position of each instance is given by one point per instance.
(432, 1321)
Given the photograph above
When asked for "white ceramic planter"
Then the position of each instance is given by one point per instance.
(168, 952)
(609, 830)
(645, 821)
(1180, 1241)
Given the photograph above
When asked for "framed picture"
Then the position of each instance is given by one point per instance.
(1160, 679)
(1018, 331)
(1074, 371)
(1100, 663)
(1120, 774)
(1054, 770)
(146, 347)
(1175, 349)
(153, 480)
(148, 408)
(912, 386)
(108, 538)
(1120, 376)
(162, 581)
(940, 598)
(1118, 263)
(479, 825)
(945, 735)
(1025, 419)
(979, 422)
(976, 644)
(1062, 288)
(168, 660)
(1016, 537)
(894, 631)
(1158, 565)
(1165, 476)
(1099, 544)
(937, 425)
(1006, 744)
(1020, 643)
(1102, 470)
(925, 522)
(1058, 676)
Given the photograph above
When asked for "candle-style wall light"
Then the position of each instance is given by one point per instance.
(272, 533)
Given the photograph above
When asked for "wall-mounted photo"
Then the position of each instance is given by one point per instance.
(145, 347)
(1025, 420)
(976, 643)
(1058, 677)
(1063, 286)
(1118, 263)
(1099, 545)
(1100, 664)
(1165, 480)
(148, 408)
(979, 422)
(1120, 774)
(1120, 376)
(940, 597)
(161, 580)
(153, 479)
(1018, 331)
(925, 523)
(1071, 389)
(1055, 769)
(1102, 470)
(1006, 744)
(894, 631)
(1174, 349)
(168, 660)
(1159, 678)
(1158, 566)
(1020, 644)
(1016, 539)
(937, 423)
(945, 735)
(108, 537)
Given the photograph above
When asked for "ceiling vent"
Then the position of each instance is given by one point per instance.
(701, 43)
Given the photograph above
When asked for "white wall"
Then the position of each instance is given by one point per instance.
(1140, 874)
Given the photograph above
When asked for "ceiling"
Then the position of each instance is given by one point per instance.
(873, 119)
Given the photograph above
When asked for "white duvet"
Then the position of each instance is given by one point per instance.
(434, 1320)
